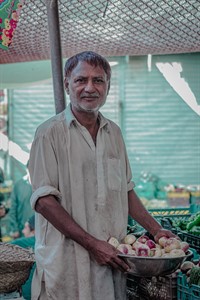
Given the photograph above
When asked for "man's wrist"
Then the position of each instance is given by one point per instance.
(155, 231)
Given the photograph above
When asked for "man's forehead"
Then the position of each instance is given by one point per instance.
(85, 69)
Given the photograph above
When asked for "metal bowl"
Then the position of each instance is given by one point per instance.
(149, 266)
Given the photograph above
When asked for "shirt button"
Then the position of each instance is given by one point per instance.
(48, 294)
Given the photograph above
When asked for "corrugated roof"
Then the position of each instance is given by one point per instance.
(111, 28)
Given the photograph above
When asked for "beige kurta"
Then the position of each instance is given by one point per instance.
(91, 182)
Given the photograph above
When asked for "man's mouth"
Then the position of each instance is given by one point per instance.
(89, 97)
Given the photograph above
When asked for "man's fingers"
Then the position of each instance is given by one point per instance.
(120, 264)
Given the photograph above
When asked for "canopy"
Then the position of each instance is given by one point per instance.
(111, 28)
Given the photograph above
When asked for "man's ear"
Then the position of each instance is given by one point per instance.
(66, 83)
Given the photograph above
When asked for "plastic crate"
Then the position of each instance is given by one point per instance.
(155, 288)
(132, 288)
(175, 214)
(184, 291)
(170, 212)
(195, 202)
(191, 239)
(158, 288)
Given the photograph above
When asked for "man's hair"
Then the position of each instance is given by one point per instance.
(91, 58)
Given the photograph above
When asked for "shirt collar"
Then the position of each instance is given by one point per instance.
(70, 118)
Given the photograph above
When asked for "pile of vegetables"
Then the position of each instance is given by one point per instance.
(192, 272)
(191, 225)
(146, 247)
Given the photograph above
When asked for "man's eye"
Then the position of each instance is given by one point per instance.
(80, 80)
(99, 80)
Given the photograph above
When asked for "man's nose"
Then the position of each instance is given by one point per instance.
(89, 87)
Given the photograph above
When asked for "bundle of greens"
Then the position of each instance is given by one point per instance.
(190, 225)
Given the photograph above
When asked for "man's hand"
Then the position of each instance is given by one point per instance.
(15, 235)
(164, 232)
(106, 254)
(101, 251)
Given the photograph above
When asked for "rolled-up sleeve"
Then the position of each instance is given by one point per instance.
(43, 167)
(44, 191)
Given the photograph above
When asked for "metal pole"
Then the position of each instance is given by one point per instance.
(56, 54)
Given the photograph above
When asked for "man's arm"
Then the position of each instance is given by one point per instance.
(101, 251)
(140, 214)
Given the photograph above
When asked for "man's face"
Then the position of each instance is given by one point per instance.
(87, 87)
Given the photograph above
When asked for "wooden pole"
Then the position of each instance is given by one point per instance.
(56, 55)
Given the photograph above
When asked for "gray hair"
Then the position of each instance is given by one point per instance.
(91, 58)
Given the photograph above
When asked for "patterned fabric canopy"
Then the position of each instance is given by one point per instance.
(9, 17)
(112, 28)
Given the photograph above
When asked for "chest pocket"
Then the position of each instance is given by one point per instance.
(114, 174)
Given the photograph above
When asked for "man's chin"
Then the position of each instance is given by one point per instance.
(90, 109)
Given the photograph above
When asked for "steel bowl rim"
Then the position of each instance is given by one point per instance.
(129, 256)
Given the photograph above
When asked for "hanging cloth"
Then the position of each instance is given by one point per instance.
(9, 17)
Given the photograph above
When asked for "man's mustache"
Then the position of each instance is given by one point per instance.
(90, 95)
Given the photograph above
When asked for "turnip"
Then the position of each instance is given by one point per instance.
(186, 266)
(151, 244)
(162, 251)
(113, 241)
(162, 241)
(129, 239)
(125, 248)
(188, 273)
(176, 253)
(143, 250)
(166, 255)
(185, 246)
(152, 252)
(136, 245)
(158, 253)
(142, 239)
(158, 246)
(172, 243)
(132, 252)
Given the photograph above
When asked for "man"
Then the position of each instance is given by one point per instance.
(28, 239)
(20, 209)
(82, 193)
